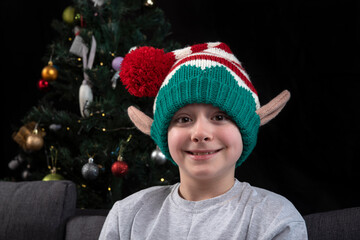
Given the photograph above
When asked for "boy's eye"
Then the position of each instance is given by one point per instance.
(183, 120)
(220, 117)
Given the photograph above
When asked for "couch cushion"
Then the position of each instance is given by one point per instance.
(35, 210)
(84, 227)
(339, 224)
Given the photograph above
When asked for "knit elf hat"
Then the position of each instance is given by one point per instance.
(204, 73)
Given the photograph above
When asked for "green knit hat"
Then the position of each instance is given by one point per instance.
(205, 73)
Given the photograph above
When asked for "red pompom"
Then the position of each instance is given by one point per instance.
(144, 69)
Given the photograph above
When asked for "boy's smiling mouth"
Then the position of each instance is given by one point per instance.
(202, 152)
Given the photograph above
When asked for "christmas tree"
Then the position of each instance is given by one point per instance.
(80, 130)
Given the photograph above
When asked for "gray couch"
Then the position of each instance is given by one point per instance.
(47, 210)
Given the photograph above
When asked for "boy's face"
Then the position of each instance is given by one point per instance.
(204, 142)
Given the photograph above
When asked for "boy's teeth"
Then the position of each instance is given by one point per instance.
(202, 153)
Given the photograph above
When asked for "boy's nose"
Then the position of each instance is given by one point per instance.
(201, 131)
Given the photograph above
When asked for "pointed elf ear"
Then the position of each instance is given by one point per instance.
(273, 108)
(140, 120)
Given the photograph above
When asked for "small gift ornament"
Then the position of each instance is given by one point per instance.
(29, 137)
(78, 46)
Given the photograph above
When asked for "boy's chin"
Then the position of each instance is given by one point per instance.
(205, 173)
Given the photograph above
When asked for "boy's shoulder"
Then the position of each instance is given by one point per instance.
(274, 213)
(264, 194)
(272, 204)
(145, 196)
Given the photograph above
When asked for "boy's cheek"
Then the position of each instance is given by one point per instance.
(178, 141)
(174, 143)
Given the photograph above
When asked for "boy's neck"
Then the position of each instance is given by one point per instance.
(197, 190)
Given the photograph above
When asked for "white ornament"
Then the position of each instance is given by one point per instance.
(85, 92)
(133, 48)
(85, 98)
(55, 127)
(114, 79)
(98, 2)
(15, 163)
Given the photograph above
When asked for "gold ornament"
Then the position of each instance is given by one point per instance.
(29, 138)
(34, 141)
(49, 73)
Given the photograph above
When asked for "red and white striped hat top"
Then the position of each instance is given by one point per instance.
(211, 54)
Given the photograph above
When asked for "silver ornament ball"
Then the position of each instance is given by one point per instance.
(158, 157)
(90, 171)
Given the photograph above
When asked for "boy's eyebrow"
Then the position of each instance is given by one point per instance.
(178, 113)
(221, 112)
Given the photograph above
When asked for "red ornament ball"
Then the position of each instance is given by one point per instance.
(43, 85)
(144, 69)
(119, 168)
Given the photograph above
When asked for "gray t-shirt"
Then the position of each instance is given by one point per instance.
(244, 212)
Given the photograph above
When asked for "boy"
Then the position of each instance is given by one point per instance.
(206, 119)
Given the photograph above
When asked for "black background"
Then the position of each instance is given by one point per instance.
(309, 153)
